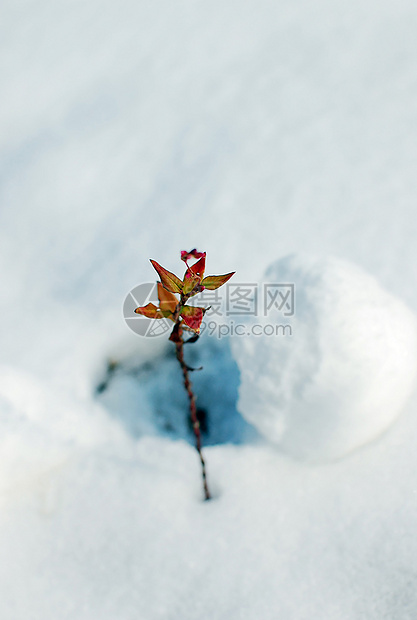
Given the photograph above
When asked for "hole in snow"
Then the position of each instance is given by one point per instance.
(149, 397)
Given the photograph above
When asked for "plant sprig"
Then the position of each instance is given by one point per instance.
(185, 317)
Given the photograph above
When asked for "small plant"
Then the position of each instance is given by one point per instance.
(185, 318)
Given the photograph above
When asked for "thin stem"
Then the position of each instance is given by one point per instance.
(179, 344)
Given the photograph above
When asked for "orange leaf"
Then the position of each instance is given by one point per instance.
(169, 280)
(213, 282)
(167, 300)
(150, 311)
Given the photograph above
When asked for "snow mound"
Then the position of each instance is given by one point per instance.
(40, 427)
(343, 374)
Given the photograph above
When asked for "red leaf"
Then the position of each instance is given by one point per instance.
(199, 266)
(192, 253)
(150, 311)
(176, 334)
(192, 316)
(213, 282)
(169, 280)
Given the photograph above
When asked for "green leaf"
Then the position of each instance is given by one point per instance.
(213, 282)
(190, 281)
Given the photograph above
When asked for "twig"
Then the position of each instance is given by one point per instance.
(179, 345)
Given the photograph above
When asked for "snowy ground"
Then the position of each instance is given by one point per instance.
(133, 130)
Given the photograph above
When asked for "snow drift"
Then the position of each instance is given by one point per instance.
(345, 372)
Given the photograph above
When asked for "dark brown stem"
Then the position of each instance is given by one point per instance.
(179, 344)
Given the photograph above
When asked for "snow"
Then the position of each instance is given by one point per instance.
(150, 398)
(133, 130)
(341, 368)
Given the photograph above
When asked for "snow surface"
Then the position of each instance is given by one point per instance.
(251, 130)
(341, 368)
